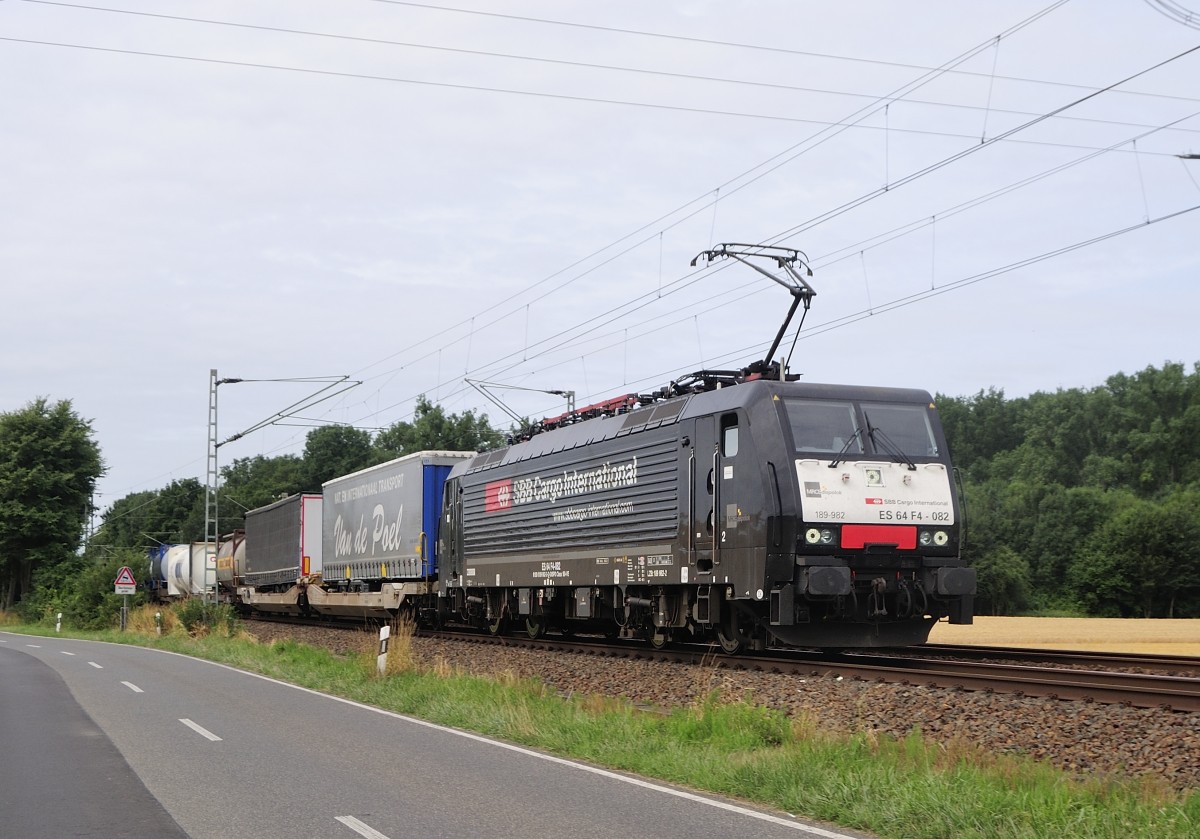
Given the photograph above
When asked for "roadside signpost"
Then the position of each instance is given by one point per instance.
(126, 585)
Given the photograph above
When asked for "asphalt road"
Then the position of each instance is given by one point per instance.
(59, 775)
(231, 755)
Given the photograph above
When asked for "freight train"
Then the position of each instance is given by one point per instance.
(770, 512)
(740, 508)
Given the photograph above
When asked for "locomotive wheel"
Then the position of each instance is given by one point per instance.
(535, 627)
(730, 634)
(729, 646)
(497, 625)
(660, 638)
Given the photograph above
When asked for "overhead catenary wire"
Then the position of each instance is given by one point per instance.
(970, 150)
(469, 330)
(732, 356)
(562, 345)
(848, 320)
(757, 47)
(907, 179)
(892, 96)
(612, 68)
(869, 243)
(773, 163)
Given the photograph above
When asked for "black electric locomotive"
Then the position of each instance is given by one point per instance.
(767, 512)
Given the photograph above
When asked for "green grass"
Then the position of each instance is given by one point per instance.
(908, 788)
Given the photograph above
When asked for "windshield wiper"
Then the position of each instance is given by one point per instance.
(882, 441)
(857, 435)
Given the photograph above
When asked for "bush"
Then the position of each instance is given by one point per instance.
(81, 588)
(200, 618)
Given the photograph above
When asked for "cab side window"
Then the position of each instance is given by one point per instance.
(729, 435)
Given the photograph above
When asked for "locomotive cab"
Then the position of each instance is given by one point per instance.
(867, 542)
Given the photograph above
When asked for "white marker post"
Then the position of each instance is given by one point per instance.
(58, 623)
(384, 634)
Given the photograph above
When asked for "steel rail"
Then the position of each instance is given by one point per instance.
(1177, 664)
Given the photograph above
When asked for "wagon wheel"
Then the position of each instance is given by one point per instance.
(535, 626)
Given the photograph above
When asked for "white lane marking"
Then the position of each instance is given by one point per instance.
(604, 773)
(94, 664)
(595, 770)
(360, 828)
(35, 646)
(133, 687)
(201, 730)
(64, 652)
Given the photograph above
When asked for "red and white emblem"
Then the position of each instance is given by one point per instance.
(497, 496)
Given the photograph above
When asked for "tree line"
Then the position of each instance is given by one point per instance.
(1080, 501)
(1084, 501)
(49, 464)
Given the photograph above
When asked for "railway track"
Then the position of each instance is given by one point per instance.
(945, 668)
(1167, 664)
(1059, 674)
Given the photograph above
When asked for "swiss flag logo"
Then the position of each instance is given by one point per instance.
(873, 500)
(497, 496)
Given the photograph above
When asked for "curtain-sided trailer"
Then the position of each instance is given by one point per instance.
(365, 547)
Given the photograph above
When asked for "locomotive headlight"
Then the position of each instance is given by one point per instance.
(940, 538)
(820, 536)
(926, 538)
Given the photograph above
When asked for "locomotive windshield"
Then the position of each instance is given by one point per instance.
(824, 426)
(906, 427)
(844, 429)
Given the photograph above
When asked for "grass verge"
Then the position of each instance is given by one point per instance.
(896, 788)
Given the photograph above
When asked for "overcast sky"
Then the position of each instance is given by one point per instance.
(409, 194)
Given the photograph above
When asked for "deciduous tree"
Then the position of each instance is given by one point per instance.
(432, 429)
(334, 450)
(49, 463)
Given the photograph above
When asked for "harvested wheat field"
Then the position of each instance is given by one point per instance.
(1160, 637)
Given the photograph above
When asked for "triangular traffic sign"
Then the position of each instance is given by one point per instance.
(125, 577)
